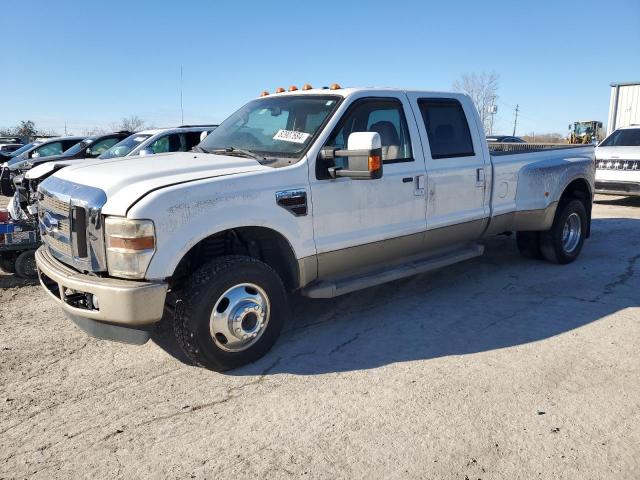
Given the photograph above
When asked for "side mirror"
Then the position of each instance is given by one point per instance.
(363, 157)
(146, 151)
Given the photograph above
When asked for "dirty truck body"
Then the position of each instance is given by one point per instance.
(324, 191)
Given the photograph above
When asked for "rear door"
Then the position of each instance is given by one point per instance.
(458, 168)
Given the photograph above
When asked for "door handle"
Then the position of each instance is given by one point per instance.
(419, 191)
(480, 180)
(407, 180)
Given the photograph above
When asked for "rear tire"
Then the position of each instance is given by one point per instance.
(230, 312)
(26, 265)
(529, 244)
(563, 242)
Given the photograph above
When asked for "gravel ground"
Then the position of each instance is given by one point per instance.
(499, 367)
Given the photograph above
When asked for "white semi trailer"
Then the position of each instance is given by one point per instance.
(624, 109)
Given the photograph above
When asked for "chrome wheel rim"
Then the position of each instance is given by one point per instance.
(571, 233)
(239, 317)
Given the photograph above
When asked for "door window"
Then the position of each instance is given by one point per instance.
(447, 128)
(384, 116)
(54, 148)
(167, 143)
(102, 146)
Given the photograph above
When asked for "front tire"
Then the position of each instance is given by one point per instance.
(563, 242)
(230, 312)
(26, 265)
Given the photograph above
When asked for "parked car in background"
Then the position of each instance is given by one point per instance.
(618, 163)
(5, 157)
(321, 191)
(504, 139)
(160, 140)
(37, 150)
(10, 147)
(10, 141)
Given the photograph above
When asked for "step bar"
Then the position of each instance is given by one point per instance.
(330, 288)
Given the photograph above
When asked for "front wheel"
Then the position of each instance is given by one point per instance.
(563, 242)
(230, 312)
(26, 265)
(8, 262)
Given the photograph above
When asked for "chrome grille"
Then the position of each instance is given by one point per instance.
(70, 222)
(54, 205)
(617, 164)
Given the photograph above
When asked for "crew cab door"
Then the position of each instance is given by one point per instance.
(364, 222)
(458, 169)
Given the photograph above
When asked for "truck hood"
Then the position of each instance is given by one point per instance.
(125, 180)
(614, 153)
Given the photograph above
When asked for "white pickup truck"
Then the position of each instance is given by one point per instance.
(322, 191)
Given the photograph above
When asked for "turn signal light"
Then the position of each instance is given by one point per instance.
(264, 94)
(335, 86)
(375, 162)
(306, 86)
(132, 243)
(293, 88)
(279, 90)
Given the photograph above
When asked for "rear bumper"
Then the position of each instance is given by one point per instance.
(609, 187)
(109, 308)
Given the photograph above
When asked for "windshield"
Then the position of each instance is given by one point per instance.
(123, 148)
(582, 128)
(628, 137)
(280, 127)
(22, 149)
(78, 146)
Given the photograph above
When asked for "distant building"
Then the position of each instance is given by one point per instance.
(624, 108)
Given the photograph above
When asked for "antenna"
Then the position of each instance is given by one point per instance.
(181, 108)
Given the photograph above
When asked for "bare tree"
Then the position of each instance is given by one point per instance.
(483, 90)
(132, 123)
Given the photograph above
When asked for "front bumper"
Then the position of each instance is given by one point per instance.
(125, 309)
(609, 187)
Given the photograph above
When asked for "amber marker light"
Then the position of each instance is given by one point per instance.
(335, 86)
(293, 88)
(375, 162)
(132, 243)
(306, 86)
(264, 94)
(279, 90)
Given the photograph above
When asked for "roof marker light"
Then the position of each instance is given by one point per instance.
(335, 86)
(293, 88)
(306, 86)
(279, 90)
(264, 94)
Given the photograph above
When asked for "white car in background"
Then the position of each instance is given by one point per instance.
(618, 163)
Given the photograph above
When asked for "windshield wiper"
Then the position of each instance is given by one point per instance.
(236, 151)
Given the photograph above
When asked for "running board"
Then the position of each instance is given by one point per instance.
(335, 287)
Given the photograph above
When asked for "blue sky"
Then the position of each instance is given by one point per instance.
(90, 63)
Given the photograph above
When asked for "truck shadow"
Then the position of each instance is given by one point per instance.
(9, 280)
(497, 301)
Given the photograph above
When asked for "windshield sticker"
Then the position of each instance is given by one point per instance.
(291, 136)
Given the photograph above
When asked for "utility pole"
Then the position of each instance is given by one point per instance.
(65, 128)
(181, 108)
(515, 121)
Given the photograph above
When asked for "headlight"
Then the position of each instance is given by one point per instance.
(130, 246)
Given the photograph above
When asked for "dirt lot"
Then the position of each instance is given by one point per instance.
(496, 368)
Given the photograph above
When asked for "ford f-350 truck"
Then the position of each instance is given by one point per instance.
(322, 191)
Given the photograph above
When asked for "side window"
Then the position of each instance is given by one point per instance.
(167, 143)
(49, 149)
(384, 116)
(67, 144)
(191, 139)
(102, 146)
(447, 128)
